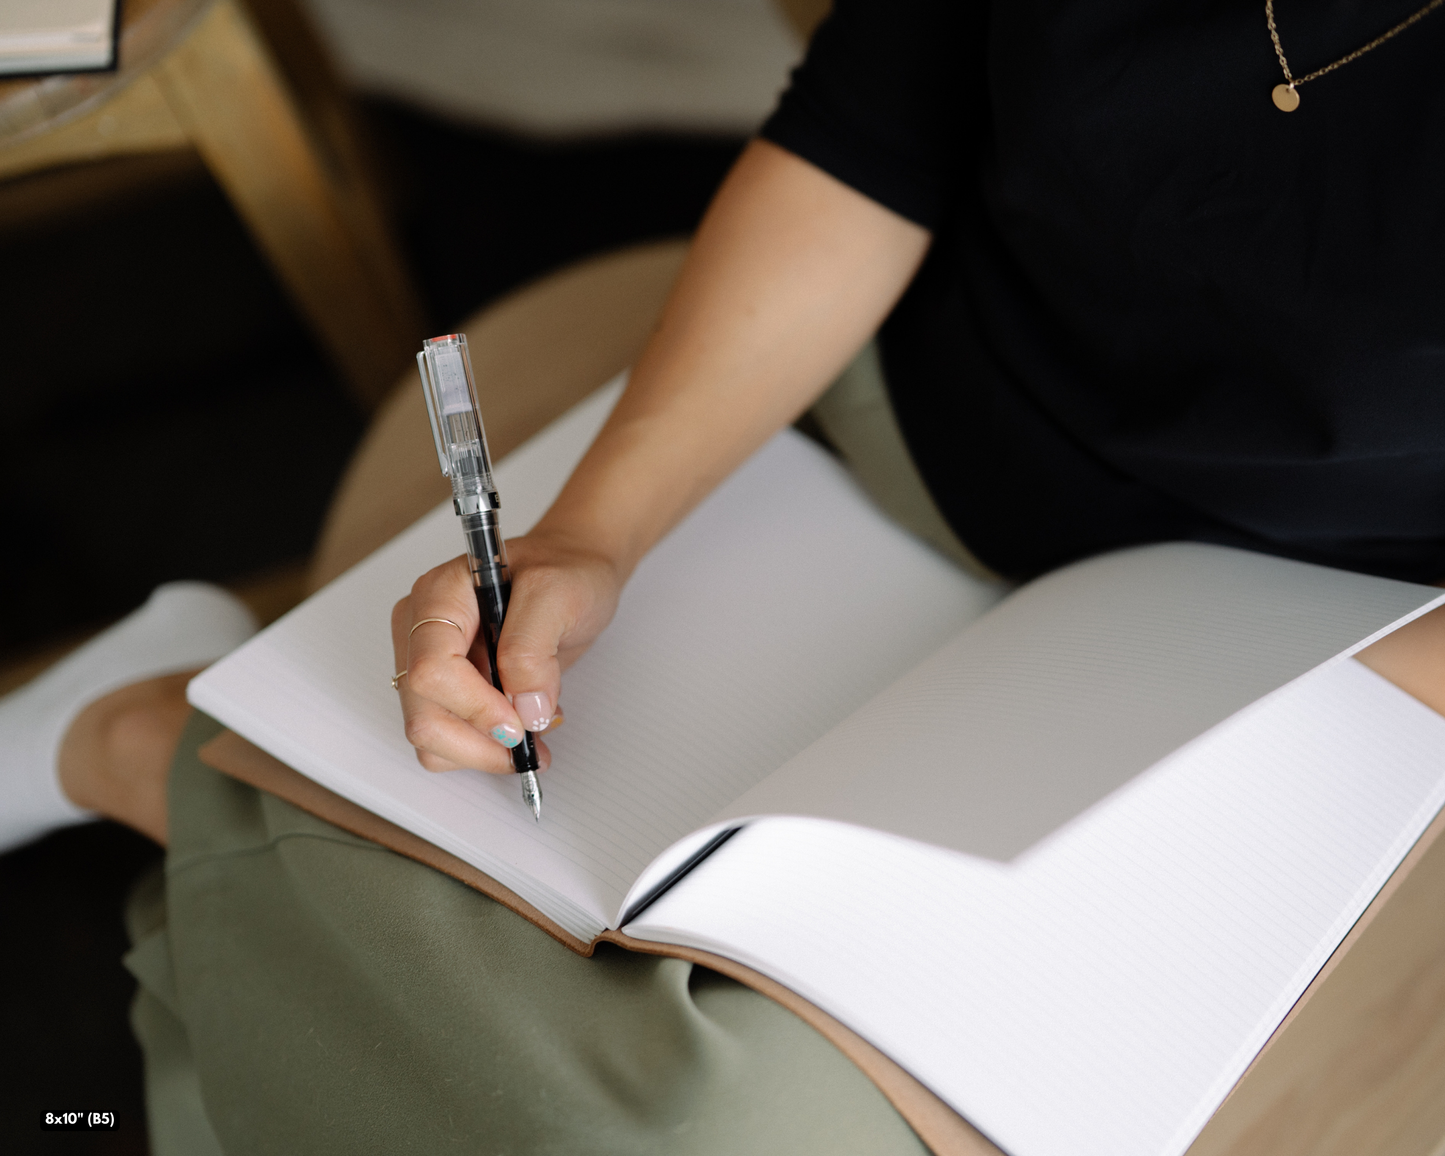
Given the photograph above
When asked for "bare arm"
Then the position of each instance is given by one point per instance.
(790, 273)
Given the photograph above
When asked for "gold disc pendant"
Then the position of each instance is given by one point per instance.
(1286, 98)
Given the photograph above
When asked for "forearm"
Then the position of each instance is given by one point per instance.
(788, 276)
(790, 273)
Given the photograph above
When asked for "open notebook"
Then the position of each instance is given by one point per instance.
(1067, 856)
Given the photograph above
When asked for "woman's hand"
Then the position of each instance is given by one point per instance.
(562, 597)
(790, 272)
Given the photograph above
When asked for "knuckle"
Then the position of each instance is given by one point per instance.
(401, 611)
(486, 714)
(427, 676)
(441, 577)
(425, 581)
(421, 732)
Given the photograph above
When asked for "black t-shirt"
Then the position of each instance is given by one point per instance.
(1156, 307)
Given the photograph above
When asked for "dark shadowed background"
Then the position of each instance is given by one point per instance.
(163, 415)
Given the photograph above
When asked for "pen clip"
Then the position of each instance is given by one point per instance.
(431, 413)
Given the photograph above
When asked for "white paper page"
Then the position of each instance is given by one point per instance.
(1100, 996)
(781, 604)
(1073, 685)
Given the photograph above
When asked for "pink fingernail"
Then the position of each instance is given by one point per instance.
(507, 734)
(534, 709)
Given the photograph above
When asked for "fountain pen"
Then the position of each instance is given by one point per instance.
(461, 444)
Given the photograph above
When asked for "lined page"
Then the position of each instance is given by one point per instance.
(1100, 996)
(781, 604)
(1102, 668)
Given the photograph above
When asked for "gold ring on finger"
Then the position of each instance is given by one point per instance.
(424, 621)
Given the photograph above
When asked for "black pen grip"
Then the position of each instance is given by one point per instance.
(493, 593)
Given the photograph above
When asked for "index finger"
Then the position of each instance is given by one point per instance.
(439, 618)
(449, 703)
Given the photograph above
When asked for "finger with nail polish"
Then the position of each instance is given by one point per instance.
(508, 734)
(534, 708)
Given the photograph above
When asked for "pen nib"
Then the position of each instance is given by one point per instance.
(532, 793)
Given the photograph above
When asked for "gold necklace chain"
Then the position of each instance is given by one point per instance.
(1285, 96)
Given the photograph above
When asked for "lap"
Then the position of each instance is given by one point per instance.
(334, 996)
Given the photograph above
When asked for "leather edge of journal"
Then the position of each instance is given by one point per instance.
(944, 1131)
(232, 755)
(1417, 852)
(1428, 841)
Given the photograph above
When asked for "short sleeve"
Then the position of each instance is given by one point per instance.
(882, 100)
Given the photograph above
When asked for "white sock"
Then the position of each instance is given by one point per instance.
(182, 626)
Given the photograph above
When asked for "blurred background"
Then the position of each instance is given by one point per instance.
(139, 319)
(167, 411)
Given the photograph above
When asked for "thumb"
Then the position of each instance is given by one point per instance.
(527, 654)
(562, 598)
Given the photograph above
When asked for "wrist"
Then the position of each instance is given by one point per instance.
(584, 541)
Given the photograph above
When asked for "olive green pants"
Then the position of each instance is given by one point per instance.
(305, 991)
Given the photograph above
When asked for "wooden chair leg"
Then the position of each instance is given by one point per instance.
(311, 212)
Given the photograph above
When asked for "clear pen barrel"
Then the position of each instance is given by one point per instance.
(451, 403)
(487, 555)
(461, 444)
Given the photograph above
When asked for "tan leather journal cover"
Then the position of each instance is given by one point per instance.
(1274, 1098)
